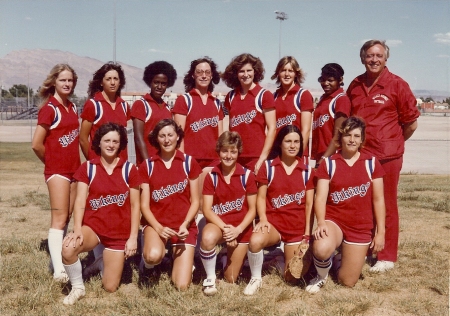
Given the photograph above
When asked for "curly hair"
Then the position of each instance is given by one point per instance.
(276, 147)
(48, 86)
(189, 81)
(299, 73)
(230, 75)
(228, 139)
(369, 44)
(157, 68)
(350, 124)
(333, 70)
(105, 129)
(153, 136)
(95, 85)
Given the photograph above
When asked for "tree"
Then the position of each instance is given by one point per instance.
(20, 91)
(429, 99)
(446, 101)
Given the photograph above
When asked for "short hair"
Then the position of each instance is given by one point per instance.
(157, 68)
(333, 70)
(228, 139)
(95, 85)
(48, 86)
(276, 147)
(230, 75)
(369, 44)
(105, 129)
(350, 124)
(299, 73)
(189, 81)
(153, 136)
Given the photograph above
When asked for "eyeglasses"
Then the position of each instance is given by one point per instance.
(200, 72)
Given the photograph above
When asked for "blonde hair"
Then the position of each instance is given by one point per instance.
(299, 73)
(48, 86)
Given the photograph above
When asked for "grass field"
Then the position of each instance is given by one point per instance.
(419, 285)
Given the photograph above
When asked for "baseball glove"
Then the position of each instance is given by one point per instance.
(300, 262)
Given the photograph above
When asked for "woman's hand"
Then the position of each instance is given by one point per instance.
(377, 243)
(232, 244)
(321, 231)
(230, 232)
(261, 225)
(165, 232)
(71, 238)
(183, 232)
(130, 247)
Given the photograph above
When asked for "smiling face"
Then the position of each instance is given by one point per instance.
(167, 139)
(329, 84)
(351, 141)
(290, 146)
(287, 75)
(202, 76)
(109, 144)
(111, 82)
(228, 156)
(64, 84)
(375, 60)
(246, 75)
(158, 86)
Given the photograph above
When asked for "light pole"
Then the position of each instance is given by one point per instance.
(280, 16)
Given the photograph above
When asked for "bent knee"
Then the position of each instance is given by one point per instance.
(257, 243)
(347, 282)
(110, 287)
(153, 256)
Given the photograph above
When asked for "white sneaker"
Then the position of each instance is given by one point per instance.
(252, 286)
(94, 268)
(382, 266)
(315, 285)
(74, 296)
(209, 287)
(62, 277)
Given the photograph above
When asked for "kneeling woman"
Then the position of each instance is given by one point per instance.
(284, 203)
(349, 193)
(229, 205)
(168, 211)
(106, 211)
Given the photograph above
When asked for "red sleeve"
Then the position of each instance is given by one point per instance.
(81, 174)
(180, 106)
(406, 103)
(322, 171)
(267, 100)
(208, 187)
(143, 172)
(134, 179)
(251, 184)
(343, 106)
(88, 113)
(196, 170)
(379, 171)
(307, 101)
(138, 110)
(46, 115)
(261, 177)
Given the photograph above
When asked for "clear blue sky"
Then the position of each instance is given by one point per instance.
(317, 32)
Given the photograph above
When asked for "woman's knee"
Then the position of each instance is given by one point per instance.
(153, 255)
(110, 286)
(257, 242)
(209, 239)
(346, 281)
(322, 249)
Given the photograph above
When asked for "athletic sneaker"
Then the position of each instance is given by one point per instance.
(253, 286)
(74, 296)
(209, 287)
(94, 268)
(315, 285)
(382, 266)
(62, 277)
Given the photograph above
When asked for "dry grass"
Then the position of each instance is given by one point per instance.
(418, 286)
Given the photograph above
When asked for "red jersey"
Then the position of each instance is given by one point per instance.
(98, 111)
(150, 112)
(169, 188)
(350, 194)
(247, 118)
(108, 206)
(329, 107)
(230, 200)
(201, 126)
(62, 155)
(286, 194)
(388, 105)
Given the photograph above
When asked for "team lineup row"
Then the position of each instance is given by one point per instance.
(254, 166)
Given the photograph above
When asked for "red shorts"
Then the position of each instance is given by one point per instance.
(191, 239)
(65, 176)
(289, 232)
(351, 234)
(111, 243)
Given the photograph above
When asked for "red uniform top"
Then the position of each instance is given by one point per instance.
(246, 117)
(329, 107)
(108, 206)
(150, 112)
(388, 106)
(98, 111)
(170, 189)
(201, 129)
(350, 194)
(230, 200)
(286, 194)
(61, 143)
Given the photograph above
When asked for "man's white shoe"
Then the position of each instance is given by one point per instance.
(74, 296)
(315, 285)
(253, 286)
(382, 266)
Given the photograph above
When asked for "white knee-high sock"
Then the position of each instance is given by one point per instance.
(55, 241)
(322, 267)
(255, 260)
(74, 271)
(209, 258)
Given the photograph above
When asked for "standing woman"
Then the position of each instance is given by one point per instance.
(294, 104)
(169, 209)
(151, 108)
(333, 108)
(284, 203)
(55, 143)
(106, 211)
(104, 105)
(229, 205)
(251, 109)
(199, 113)
(349, 194)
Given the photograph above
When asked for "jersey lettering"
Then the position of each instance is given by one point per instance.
(169, 190)
(282, 121)
(288, 199)
(228, 206)
(118, 199)
(202, 123)
(66, 140)
(345, 194)
(243, 118)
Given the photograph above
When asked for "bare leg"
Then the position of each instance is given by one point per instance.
(183, 261)
(113, 266)
(154, 247)
(353, 259)
(235, 260)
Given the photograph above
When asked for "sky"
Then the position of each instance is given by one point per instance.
(178, 31)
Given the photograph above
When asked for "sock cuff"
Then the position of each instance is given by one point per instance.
(72, 264)
(56, 231)
(322, 263)
(207, 254)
